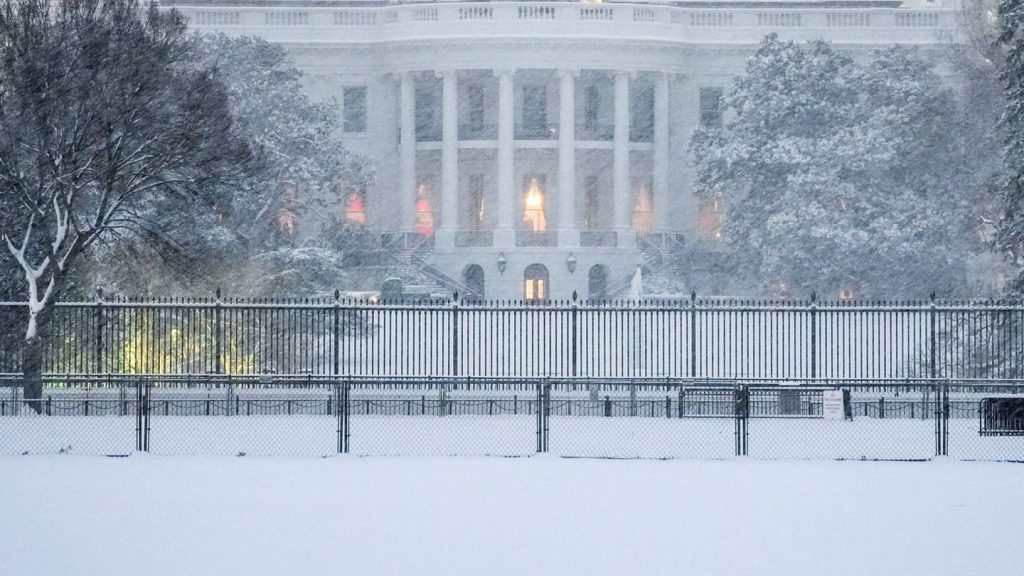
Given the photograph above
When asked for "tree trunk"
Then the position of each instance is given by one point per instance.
(32, 359)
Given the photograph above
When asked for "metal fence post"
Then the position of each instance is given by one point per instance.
(138, 415)
(455, 335)
(741, 411)
(98, 351)
(932, 367)
(945, 419)
(336, 329)
(574, 337)
(693, 334)
(217, 336)
(814, 335)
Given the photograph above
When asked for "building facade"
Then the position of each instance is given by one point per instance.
(529, 150)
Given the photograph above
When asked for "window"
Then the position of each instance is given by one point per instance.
(641, 121)
(535, 280)
(643, 216)
(591, 203)
(535, 109)
(355, 206)
(711, 107)
(591, 107)
(476, 107)
(712, 217)
(533, 205)
(425, 105)
(354, 107)
(424, 211)
(475, 205)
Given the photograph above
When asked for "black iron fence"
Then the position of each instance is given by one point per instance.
(681, 338)
(618, 418)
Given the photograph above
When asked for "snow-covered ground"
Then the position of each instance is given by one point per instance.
(505, 435)
(156, 515)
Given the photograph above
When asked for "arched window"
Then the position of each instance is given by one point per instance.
(536, 283)
(597, 282)
(473, 279)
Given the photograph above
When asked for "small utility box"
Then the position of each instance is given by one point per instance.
(1002, 416)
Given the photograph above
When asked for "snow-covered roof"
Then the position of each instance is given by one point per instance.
(680, 3)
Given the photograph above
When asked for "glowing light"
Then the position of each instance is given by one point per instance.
(424, 212)
(643, 217)
(533, 214)
(355, 209)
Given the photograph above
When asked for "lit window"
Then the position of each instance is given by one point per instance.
(533, 208)
(475, 207)
(354, 108)
(711, 219)
(424, 212)
(846, 294)
(535, 286)
(643, 217)
(355, 206)
(286, 222)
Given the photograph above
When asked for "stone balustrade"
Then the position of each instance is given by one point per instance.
(565, 19)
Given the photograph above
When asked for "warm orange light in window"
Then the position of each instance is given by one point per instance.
(533, 212)
(424, 213)
(286, 222)
(846, 294)
(711, 218)
(643, 217)
(355, 208)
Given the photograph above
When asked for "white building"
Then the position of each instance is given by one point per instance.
(534, 149)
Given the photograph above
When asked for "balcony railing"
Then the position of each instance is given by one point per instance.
(478, 131)
(648, 22)
(595, 132)
(536, 131)
(474, 239)
(526, 238)
(598, 238)
(428, 133)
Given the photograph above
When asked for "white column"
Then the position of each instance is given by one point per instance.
(660, 192)
(407, 152)
(622, 196)
(568, 236)
(449, 152)
(506, 158)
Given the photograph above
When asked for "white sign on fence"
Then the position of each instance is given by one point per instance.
(832, 404)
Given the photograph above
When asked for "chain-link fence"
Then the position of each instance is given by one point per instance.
(609, 418)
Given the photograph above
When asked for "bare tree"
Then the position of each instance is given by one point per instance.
(103, 112)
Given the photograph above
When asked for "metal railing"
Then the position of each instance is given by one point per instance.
(653, 418)
(678, 338)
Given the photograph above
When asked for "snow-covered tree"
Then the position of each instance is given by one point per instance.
(103, 112)
(300, 174)
(840, 176)
(1011, 225)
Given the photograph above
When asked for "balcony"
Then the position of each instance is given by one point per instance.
(536, 131)
(699, 24)
(478, 131)
(428, 133)
(604, 132)
(598, 239)
(474, 239)
(529, 238)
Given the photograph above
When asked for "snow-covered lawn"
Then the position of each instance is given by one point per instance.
(346, 515)
(505, 435)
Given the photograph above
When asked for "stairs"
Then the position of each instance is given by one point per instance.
(409, 255)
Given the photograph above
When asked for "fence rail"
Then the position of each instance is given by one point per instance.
(681, 338)
(656, 418)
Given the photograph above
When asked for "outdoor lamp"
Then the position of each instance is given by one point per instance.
(570, 262)
(502, 262)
